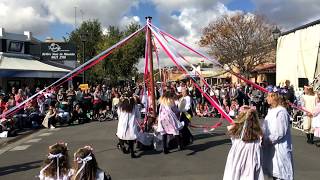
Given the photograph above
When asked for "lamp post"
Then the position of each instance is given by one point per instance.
(276, 33)
(83, 38)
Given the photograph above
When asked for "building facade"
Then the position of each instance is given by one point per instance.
(21, 64)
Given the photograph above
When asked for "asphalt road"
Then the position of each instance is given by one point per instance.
(203, 160)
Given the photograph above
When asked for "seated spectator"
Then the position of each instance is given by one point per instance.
(207, 112)
(50, 118)
(78, 114)
(85, 166)
(10, 103)
(2, 103)
(200, 110)
(233, 109)
(225, 106)
(115, 102)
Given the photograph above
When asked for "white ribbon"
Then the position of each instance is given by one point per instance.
(84, 162)
(52, 157)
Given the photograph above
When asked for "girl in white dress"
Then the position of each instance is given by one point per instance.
(244, 159)
(309, 103)
(85, 166)
(56, 165)
(127, 124)
(277, 146)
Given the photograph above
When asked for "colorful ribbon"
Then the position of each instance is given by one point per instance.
(93, 61)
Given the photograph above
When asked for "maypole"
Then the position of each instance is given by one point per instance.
(152, 94)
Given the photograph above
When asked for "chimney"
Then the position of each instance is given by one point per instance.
(49, 39)
(2, 32)
(28, 34)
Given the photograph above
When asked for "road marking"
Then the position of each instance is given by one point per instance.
(45, 134)
(20, 148)
(33, 140)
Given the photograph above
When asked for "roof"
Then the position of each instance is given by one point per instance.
(25, 64)
(264, 68)
(301, 27)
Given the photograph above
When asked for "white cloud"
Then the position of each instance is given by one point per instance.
(125, 21)
(38, 15)
(107, 11)
(19, 16)
(185, 19)
(289, 13)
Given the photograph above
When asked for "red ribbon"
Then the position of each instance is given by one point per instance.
(213, 103)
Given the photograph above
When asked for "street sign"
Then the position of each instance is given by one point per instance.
(84, 87)
(58, 51)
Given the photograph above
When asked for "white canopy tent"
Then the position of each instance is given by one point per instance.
(298, 55)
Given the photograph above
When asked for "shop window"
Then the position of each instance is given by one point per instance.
(15, 46)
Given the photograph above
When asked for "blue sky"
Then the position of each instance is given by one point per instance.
(182, 18)
(145, 8)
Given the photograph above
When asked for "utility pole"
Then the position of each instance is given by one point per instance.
(152, 93)
(75, 17)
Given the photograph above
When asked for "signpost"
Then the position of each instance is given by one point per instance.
(58, 51)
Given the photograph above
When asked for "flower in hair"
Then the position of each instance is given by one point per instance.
(88, 147)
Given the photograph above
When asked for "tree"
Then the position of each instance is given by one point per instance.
(93, 31)
(240, 41)
(121, 63)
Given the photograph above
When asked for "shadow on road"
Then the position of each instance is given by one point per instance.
(20, 167)
(207, 135)
(202, 147)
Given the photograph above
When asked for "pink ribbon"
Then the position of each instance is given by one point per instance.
(171, 56)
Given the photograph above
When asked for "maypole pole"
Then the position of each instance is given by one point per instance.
(152, 94)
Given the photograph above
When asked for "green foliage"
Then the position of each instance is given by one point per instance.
(119, 64)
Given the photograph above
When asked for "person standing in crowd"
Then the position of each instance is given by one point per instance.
(255, 98)
(13, 91)
(290, 92)
(316, 118)
(309, 103)
(245, 156)
(277, 146)
(19, 97)
(168, 119)
(56, 165)
(27, 92)
(104, 97)
(127, 123)
(85, 166)
(233, 93)
(185, 107)
(96, 102)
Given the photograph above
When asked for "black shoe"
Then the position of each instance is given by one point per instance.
(166, 152)
(308, 139)
(311, 138)
(134, 155)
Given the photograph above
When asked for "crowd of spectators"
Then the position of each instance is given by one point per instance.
(62, 105)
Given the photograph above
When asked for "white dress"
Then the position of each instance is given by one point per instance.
(278, 161)
(244, 161)
(127, 124)
(62, 177)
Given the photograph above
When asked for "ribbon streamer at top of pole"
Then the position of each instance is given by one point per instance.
(90, 63)
(173, 57)
(221, 66)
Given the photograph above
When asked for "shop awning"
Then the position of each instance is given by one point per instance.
(24, 67)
